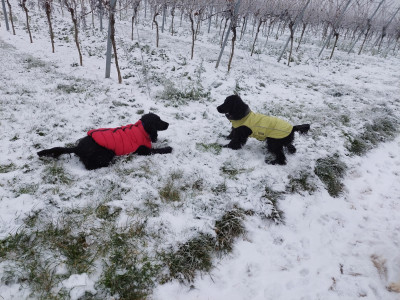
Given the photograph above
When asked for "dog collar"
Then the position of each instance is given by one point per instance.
(230, 118)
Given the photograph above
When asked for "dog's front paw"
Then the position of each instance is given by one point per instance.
(168, 149)
(275, 162)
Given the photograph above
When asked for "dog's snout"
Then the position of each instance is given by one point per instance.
(164, 125)
(220, 109)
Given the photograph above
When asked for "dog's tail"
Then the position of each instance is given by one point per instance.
(304, 128)
(56, 152)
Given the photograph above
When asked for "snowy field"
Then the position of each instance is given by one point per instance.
(299, 242)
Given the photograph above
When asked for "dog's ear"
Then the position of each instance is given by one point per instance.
(237, 109)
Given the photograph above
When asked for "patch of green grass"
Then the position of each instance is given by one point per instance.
(14, 138)
(35, 256)
(331, 171)
(105, 212)
(119, 103)
(228, 228)
(27, 189)
(31, 219)
(357, 146)
(134, 280)
(18, 243)
(271, 198)
(32, 62)
(7, 168)
(79, 258)
(71, 88)
(179, 96)
(193, 256)
(55, 174)
(195, 185)
(214, 148)
(231, 171)
(112, 190)
(219, 189)
(151, 207)
(345, 120)
(128, 272)
(169, 192)
(300, 183)
(381, 130)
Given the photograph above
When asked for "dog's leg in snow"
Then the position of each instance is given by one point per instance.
(276, 147)
(239, 137)
(143, 150)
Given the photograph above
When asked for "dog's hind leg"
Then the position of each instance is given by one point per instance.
(92, 154)
(276, 147)
(291, 149)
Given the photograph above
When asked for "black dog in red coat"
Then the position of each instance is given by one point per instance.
(100, 146)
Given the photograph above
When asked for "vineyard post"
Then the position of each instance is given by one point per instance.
(101, 15)
(47, 5)
(301, 36)
(340, 17)
(227, 33)
(190, 14)
(255, 39)
(108, 53)
(11, 17)
(23, 5)
(164, 12)
(244, 26)
(384, 29)
(156, 13)
(368, 28)
(294, 25)
(209, 20)
(5, 14)
(172, 18)
(71, 7)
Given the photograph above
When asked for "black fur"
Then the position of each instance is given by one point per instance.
(95, 156)
(235, 109)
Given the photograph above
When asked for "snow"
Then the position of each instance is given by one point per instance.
(304, 258)
(77, 285)
(326, 247)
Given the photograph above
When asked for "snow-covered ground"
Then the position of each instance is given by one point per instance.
(342, 247)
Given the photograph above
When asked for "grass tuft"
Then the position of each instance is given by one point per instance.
(331, 171)
(55, 174)
(381, 130)
(300, 183)
(107, 213)
(7, 168)
(169, 192)
(128, 273)
(271, 198)
(192, 256)
(214, 148)
(228, 228)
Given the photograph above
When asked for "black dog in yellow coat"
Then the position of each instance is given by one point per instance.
(277, 132)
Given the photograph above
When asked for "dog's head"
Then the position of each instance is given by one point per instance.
(234, 108)
(152, 124)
